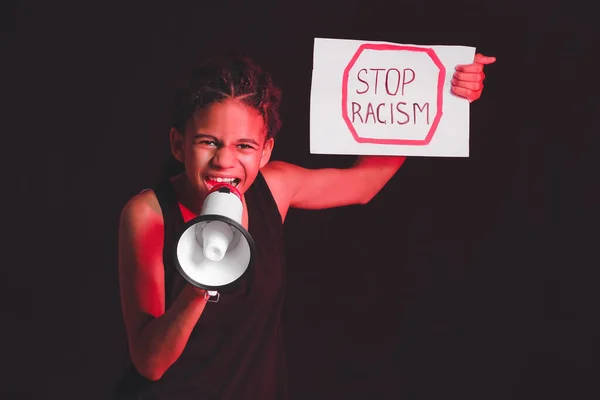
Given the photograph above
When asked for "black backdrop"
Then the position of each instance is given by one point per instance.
(463, 278)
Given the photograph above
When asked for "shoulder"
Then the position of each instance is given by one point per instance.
(286, 178)
(275, 167)
(141, 209)
(280, 173)
(141, 234)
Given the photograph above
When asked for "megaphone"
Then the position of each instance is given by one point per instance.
(214, 251)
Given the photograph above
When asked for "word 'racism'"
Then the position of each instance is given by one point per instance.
(388, 83)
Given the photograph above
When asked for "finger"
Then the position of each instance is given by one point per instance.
(481, 59)
(468, 94)
(470, 68)
(468, 77)
(476, 86)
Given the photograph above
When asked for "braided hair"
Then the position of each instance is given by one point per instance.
(220, 79)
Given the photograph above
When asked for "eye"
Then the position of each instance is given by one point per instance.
(245, 146)
(208, 142)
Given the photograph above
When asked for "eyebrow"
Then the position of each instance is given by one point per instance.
(250, 141)
(204, 136)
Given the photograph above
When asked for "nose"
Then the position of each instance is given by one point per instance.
(224, 158)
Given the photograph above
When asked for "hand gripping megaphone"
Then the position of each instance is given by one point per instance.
(215, 251)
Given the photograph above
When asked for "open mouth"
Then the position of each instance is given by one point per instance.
(213, 180)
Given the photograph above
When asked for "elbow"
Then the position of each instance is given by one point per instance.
(366, 199)
(148, 369)
(152, 375)
(149, 372)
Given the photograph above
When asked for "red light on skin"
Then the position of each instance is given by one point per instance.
(186, 213)
(148, 241)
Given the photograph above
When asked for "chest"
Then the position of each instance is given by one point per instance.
(263, 283)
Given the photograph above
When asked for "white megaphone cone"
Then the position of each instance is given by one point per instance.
(214, 251)
(216, 237)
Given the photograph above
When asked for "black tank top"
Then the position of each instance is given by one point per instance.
(236, 350)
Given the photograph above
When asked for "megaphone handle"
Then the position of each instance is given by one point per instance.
(211, 296)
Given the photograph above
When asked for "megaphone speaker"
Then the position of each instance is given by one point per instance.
(215, 251)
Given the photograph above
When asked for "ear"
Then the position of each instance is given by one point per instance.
(176, 139)
(266, 152)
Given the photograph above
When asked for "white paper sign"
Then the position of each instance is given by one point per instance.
(381, 98)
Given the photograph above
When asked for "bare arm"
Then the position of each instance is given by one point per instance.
(156, 336)
(298, 187)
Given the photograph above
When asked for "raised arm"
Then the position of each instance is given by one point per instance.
(156, 337)
(298, 187)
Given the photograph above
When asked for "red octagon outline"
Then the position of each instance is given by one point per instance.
(440, 94)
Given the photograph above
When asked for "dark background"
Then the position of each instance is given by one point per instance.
(463, 279)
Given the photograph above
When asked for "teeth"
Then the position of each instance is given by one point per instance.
(232, 181)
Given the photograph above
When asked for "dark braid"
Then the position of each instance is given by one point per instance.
(229, 78)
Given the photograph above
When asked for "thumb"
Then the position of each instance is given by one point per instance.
(481, 59)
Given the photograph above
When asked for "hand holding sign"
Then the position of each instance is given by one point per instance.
(468, 79)
(378, 98)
